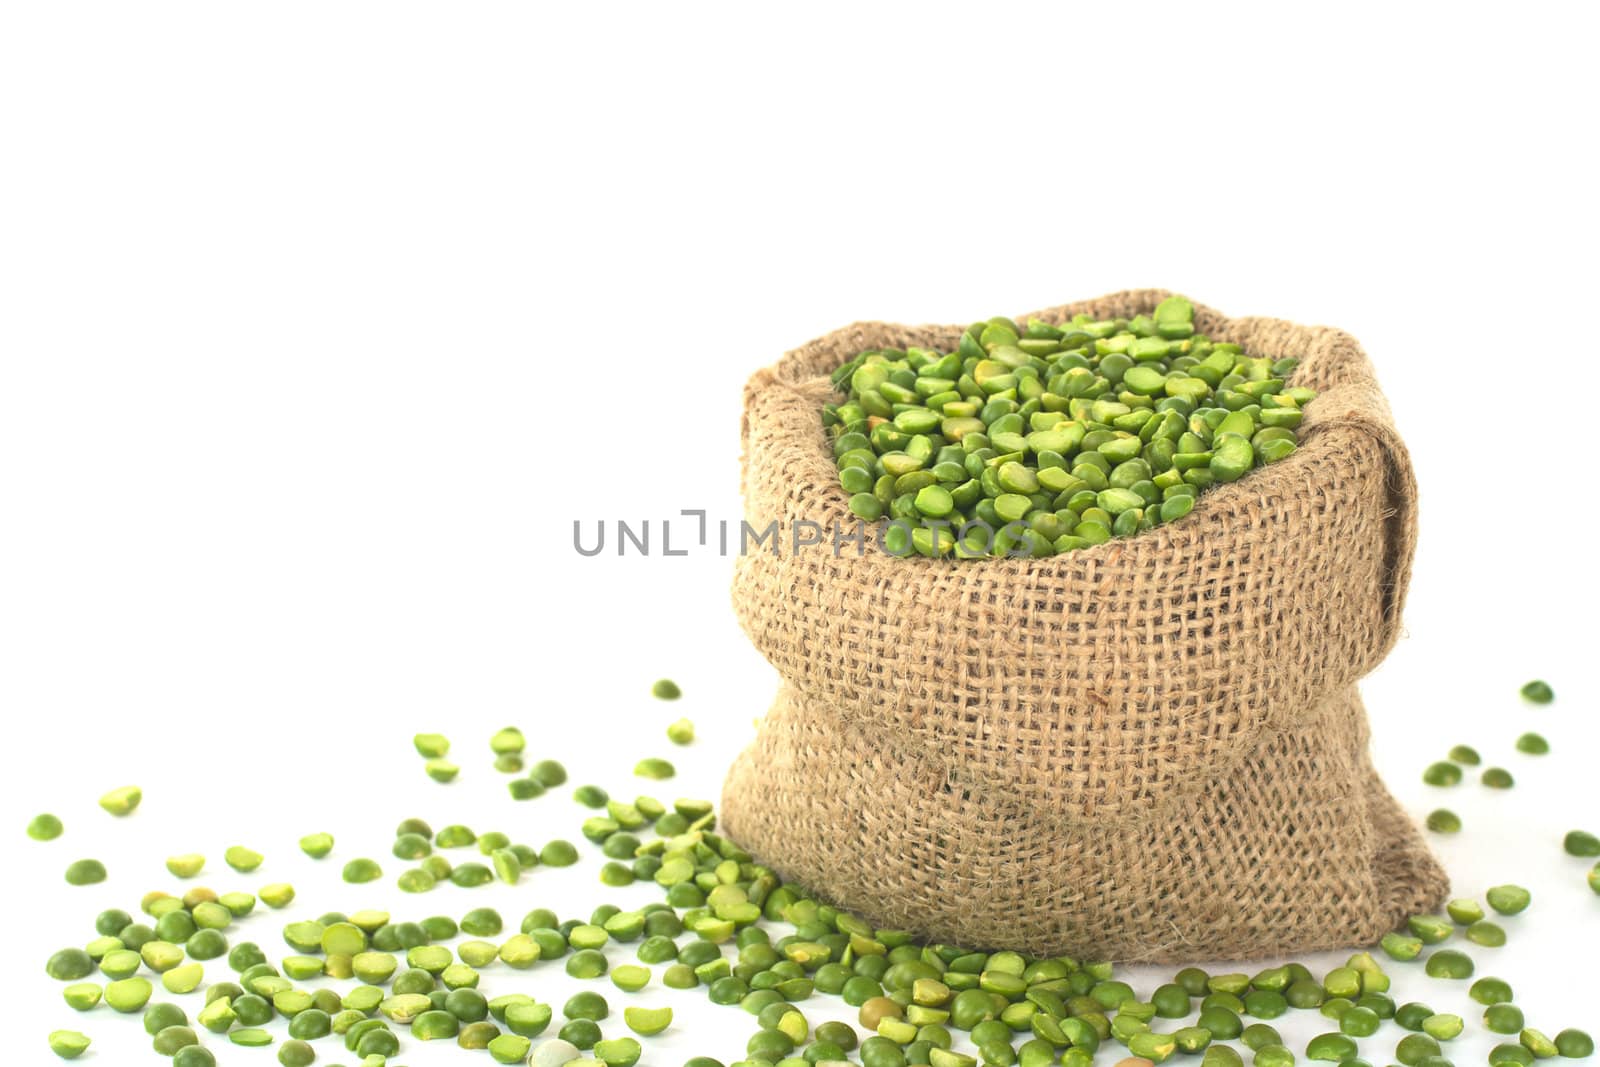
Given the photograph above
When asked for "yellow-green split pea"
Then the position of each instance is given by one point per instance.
(122, 800)
(187, 865)
(316, 845)
(44, 827)
(68, 1044)
(244, 860)
(431, 746)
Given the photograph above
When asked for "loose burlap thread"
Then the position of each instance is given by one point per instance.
(1152, 749)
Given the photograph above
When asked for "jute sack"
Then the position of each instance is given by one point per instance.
(1152, 749)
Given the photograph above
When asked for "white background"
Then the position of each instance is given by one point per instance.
(319, 325)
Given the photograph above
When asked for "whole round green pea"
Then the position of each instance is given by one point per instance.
(665, 689)
(681, 732)
(1465, 754)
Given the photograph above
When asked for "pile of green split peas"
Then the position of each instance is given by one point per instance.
(1039, 439)
(714, 930)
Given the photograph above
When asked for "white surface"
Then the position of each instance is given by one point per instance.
(319, 325)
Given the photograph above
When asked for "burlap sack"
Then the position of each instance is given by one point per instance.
(1152, 749)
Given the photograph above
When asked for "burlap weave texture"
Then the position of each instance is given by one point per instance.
(1152, 749)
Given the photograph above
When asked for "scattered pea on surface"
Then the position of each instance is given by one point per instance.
(548, 773)
(654, 768)
(44, 827)
(68, 1044)
(244, 860)
(1581, 843)
(431, 746)
(122, 800)
(316, 845)
(681, 732)
(1444, 821)
(1533, 744)
(1538, 692)
(1449, 963)
(1442, 773)
(1574, 1044)
(187, 865)
(590, 796)
(1465, 754)
(507, 740)
(1498, 778)
(86, 872)
(441, 770)
(666, 689)
(1508, 899)
(277, 895)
